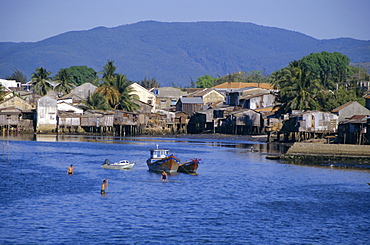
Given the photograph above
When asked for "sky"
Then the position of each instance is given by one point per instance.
(35, 20)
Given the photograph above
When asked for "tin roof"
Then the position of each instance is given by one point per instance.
(343, 106)
(191, 100)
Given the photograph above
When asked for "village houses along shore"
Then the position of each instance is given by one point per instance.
(230, 108)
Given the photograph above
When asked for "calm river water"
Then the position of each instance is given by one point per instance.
(238, 196)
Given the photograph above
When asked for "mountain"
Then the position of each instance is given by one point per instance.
(174, 53)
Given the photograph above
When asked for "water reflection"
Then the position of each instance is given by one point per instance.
(260, 147)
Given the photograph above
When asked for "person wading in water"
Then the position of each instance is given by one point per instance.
(104, 187)
(70, 170)
(164, 176)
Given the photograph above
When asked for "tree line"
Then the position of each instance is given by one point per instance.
(319, 81)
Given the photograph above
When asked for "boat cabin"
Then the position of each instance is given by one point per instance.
(159, 153)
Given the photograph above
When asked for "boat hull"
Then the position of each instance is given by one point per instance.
(117, 166)
(189, 167)
(169, 164)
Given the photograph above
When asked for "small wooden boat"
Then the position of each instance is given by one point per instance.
(123, 164)
(161, 159)
(273, 157)
(189, 167)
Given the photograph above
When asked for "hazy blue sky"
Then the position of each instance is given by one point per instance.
(35, 20)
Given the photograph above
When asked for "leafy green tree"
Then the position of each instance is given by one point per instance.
(357, 76)
(82, 74)
(243, 77)
(205, 81)
(332, 68)
(330, 100)
(149, 83)
(255, 77)
(65, 80)
(40, 79)
(97, 101)
(18, 76)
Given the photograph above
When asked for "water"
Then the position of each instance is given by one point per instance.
(238, 196)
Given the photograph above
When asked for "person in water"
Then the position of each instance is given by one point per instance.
(164, 176)
(104, 186)
(70, 170)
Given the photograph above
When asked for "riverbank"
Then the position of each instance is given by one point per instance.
(330, 155)
(329, 150)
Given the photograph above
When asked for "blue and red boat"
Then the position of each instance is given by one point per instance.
(189, 167)
(161, 159)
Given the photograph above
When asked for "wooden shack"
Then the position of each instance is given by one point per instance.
(128, 123)
(189, 105)
(94, 121)
(201, 122)
(354, 130)
(68, 122)
(247, 122)
(309, 125)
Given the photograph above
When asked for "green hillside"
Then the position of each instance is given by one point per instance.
(174, 52)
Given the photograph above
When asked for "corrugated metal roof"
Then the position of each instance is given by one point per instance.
(342, 106)
(191, 100)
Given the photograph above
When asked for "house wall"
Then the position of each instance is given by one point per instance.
(262, 101)
(351, 110)
(46, 114)
(190, 108)
(144, 95)
(318, 122)
(85, 90)
(248, 118)
(212, 97)
(165, 102)
(9, 119)
(69, 121)
(16, 102)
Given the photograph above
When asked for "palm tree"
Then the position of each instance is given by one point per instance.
(65, 80)
(108, 88)
(96, 101)
(115, 89)
(110, 93)
(40, 81)
(109, 75)
(297, 87)
(127, 99)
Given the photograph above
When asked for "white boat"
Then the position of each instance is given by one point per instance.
(123, 164)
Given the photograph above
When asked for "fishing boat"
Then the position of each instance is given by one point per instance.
(161, 159)
(189, 167)
(123, 164)
(273, 157)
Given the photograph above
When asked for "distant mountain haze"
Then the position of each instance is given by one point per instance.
(174, 53)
